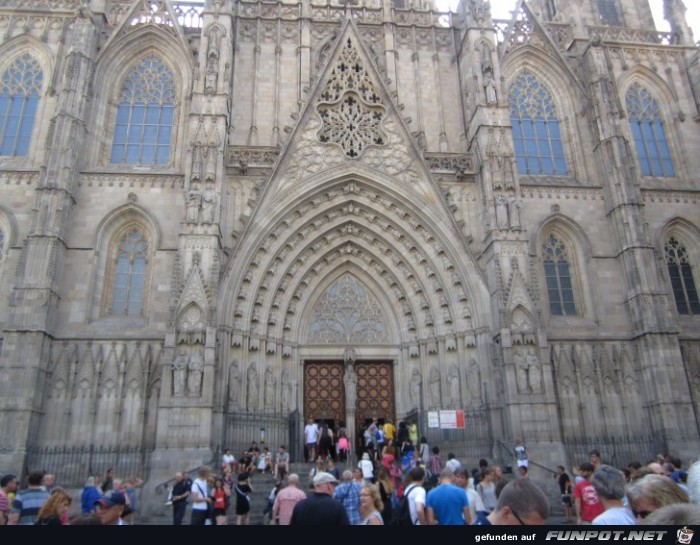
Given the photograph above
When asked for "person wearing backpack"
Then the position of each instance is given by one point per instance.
(411, 508)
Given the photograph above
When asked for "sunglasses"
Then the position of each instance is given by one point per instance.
(518, 517)
(641, 514)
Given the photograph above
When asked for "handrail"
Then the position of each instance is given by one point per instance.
(160, 488)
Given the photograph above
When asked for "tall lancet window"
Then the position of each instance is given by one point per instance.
(145, 113)
(558, 277)
(129, 274)
(538, 145)
(648, 132)
(20, 89)
(681, 274)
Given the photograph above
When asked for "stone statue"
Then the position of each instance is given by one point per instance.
(453, 379)
(501, 212)
(210, 168)
(194, 375)
(515, 213)
(350, 381)
(180, 373)
(194, 200)
(208, 206)
(534, 373)
(234, 384)
(490, 88)
(474, 382)
(252, 387)
(414, 388)
(211, 76)
(434, 387)
(521, 378)
(286, 390)
(196, 164)
(269, 389)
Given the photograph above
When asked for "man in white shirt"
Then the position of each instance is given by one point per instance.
(200, 497)
(416, 495)
(453, 463)
(310, 439)
(475, 503)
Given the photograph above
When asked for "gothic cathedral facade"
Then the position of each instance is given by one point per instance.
(346, 209)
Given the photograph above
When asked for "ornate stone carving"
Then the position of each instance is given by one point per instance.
(521, 372)
(346, 313)
(180, 364)
(269, 388)
(414, 388)
(234, 384)
(350, 381)
(455, 390)
(350, 106)
(474, 382)
(252, 388)
(195, 369)
(434, 389)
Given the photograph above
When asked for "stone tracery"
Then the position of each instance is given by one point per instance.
(350, 107)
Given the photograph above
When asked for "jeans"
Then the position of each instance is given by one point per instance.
(179, 509)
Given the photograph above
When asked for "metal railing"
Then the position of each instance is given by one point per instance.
(268, 429)
(73, 465)
(616, 451)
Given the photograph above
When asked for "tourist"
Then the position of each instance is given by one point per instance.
(370, 506)
(521, 503)
(609, 484)
(320, 509)
(447, 504)
(285, 501)
(348, 494)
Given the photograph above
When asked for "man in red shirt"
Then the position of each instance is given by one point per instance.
(588, 506)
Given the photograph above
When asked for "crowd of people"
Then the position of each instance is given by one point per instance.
(41, 502)
(398, 479)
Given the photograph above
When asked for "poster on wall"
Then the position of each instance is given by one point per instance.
(452, 420)
(433, 419)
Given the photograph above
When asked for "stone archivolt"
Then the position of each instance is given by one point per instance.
(351, 223)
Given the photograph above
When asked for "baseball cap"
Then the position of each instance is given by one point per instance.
(322, 478)
(112, 498)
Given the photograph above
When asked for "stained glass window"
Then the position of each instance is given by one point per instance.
(648, 132)
(681, 274)
(144, 123)
(558, 278)
(20, 89)
(536, 137)
(129, 274)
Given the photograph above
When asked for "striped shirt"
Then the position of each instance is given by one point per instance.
(27, 503)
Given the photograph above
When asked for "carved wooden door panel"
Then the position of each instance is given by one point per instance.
(324, 391)
(375, 391)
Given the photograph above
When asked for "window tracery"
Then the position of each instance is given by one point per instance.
(20, 90)
(145, 114)
(129, 274)
(536, 136)
(648, 132)
(558, 277)
(681, 275)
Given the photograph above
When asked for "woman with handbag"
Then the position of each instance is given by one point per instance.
(243, 489)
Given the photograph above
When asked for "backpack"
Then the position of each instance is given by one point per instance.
(401, 514)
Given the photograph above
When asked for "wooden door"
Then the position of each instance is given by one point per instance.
(324, 391)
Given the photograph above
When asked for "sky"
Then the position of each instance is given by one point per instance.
(500, 9)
